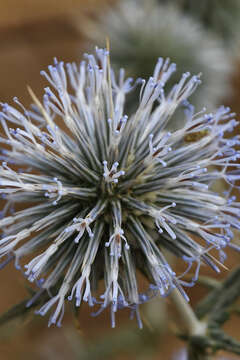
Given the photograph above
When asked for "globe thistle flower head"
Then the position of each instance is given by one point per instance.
(107, 193)
(136, 45)
(219, 16)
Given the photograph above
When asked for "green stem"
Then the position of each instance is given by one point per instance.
(193, 326)
(195, 329)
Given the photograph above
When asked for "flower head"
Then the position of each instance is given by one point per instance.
(141, 31)
(220, 16)
(106, 192)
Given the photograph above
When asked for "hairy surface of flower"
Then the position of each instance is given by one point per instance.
(106, 192)
(141, 31)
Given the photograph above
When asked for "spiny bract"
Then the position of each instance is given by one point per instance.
(107, 192)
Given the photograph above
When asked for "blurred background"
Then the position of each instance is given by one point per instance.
(32, 33)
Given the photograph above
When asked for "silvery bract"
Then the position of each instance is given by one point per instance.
(141, 31)
(107, 191)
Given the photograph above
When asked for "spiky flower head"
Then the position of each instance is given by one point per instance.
(141, 31)
(106, 192)
(220, 16)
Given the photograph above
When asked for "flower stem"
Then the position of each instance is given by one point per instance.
(193, 326)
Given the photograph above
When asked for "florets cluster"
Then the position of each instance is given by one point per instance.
(106, 191)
